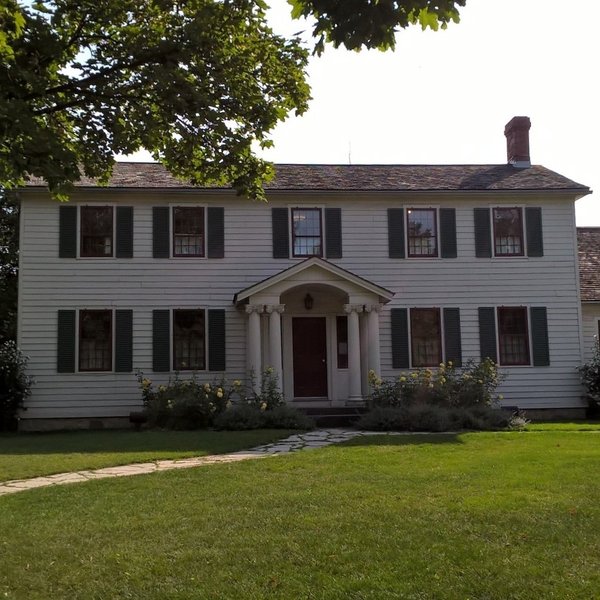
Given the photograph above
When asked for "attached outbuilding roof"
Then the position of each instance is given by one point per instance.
(588, 241)
(401, 178)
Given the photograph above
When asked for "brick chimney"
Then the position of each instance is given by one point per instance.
(517, 142)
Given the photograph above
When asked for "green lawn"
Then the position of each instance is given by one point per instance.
(478, 515)
(30, 455)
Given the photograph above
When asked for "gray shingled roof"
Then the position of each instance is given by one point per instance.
(360, 177)
(588, 242)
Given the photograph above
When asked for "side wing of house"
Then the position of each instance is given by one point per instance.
(588, 241)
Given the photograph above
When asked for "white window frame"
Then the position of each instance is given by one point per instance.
(113, 205)
(174, 205)
(529, 338)
(437, 225)
(442, 336)
(492, 231)
(172, 336)
(291, 207)
(78, 312)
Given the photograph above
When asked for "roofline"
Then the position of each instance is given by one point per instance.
(259, 286)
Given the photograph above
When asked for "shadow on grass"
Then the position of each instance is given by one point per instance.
(118, 441)
(405, 439)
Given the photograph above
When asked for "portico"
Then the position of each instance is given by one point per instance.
(317, 326)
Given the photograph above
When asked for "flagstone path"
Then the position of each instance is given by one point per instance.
(299, 441)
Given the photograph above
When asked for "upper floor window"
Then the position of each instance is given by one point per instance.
(422, 232)
(513, 336)
(189, 348)
(307, 232)
(426, 337)
(188, 231)
(96, 231)
(508, 232)
(95, 340)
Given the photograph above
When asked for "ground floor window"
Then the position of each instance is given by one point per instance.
(189, 343)
(95, 340)
(513, 336)
(426, 337)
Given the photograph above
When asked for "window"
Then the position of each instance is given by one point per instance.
(307, 239)
(426, 337)
(422, 232)
(188, 231)
(513, 336)
(189, 340)
(342, 342)
(508, 232)
(96, 231)
(95, 340)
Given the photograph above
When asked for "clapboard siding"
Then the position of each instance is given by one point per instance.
(143, 283)
(590, 315)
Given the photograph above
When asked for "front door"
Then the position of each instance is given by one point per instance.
(309, 342)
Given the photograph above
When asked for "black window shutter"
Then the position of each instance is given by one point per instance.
(67, 231)
(448, 232)
(487, 333)
(281, 233)
(160, 232)
(333, 232)
(535, 238)
(161, 340)
(396, 232)
(216, 340)
(124, 245)
(539, 336)
(123, 341)
(215, 236)
(452, 341)
(400, 358)
(65, 347)
(483, 233)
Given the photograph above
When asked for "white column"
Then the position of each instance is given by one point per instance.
(254, 346)
(373, 311)
(352, 311)
(275, 354)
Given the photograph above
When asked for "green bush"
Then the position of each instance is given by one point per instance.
(435, 418)
(472, 385)
(590, 378)
(249, 416)
(15, 384)
(185, 403)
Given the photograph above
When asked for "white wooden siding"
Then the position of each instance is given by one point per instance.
(591, 317)
(143, 283)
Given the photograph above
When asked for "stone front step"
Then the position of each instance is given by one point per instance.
(334, 416)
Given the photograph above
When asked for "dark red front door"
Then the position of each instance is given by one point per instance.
(310, 356)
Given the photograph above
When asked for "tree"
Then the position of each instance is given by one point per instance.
(372, 23)
(9, 245)
(198, 83)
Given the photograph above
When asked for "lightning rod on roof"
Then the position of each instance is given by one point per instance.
(349, 152)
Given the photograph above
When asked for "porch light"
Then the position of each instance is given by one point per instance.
(308, 302)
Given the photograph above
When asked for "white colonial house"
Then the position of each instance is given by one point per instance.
(346, 268)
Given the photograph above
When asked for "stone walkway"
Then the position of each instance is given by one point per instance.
(299, 441)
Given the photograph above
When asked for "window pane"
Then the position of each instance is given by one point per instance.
(95, 340)
(96, 231)
(306, 232)
(342, 342)
(508, 232)
(188, 340)
(188, 231)
(513, 336)
(426, 339)
(422, 232)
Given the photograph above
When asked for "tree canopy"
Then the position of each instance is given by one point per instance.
(198, 83)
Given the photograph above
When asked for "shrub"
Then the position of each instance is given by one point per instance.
(249, 416)
(269, 396)
(185, 403)
(435, 418)
(590, 378)
(472, 385)
(15, 384)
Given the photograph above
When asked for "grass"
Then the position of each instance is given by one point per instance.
(478, 515)
(564, 426)
(30, 455)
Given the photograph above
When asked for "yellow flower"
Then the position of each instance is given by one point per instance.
(413, 375)
(206, 387)
(146, 383)
(219, 393)
(442, 366)
(480, 381)
(263, 406)
(162, 388)
(237, 383)
(402, 378)
(500, 397)
(431, 385)
(228, 405)
(442, 380)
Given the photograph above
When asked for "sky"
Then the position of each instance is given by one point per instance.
(444, 97)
